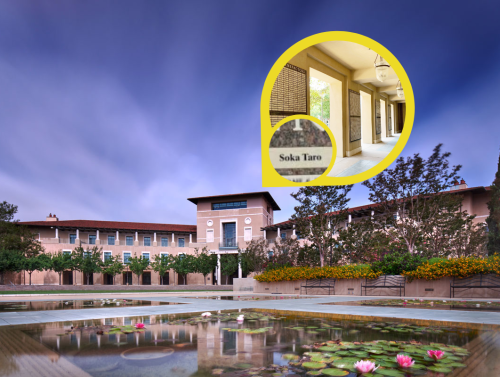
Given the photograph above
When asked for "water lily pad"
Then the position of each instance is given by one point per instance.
(334, 372)
(290, 356)
(313, 365)
(440, 369)
(390, 372)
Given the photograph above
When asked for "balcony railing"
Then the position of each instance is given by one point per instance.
(228, 243)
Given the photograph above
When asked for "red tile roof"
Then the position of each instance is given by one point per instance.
(266, 195)
(114, 225)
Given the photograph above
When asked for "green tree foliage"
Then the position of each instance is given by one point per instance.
(39, 262)
(61, 262)
(183, 264)
(396, 263)
(161, 264)
(319, 99)
(255, 256)
(113, 266)
(10, 261)
(229, 265)
(205, 262)
(493, 219)
(7, 211)
(138, 264)
(413, 201)
(321, 210)
(87, 261)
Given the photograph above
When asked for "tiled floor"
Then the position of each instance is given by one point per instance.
(201, 305)
(370, 155)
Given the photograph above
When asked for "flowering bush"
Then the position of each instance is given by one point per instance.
(456, 267)
(305, 273)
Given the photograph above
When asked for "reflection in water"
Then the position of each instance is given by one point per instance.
(20, 306)
(164, 349)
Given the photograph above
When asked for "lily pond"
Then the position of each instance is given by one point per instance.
(20, 306)
(248, 343)
(252, 298)
(439, 304)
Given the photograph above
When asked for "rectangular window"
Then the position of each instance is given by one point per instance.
(72, 238)
(182, 256)
(111, 240)
(107, 255)
(164, 242)
(210, 235)
(229, 235)
(283, 235)
(92, 240)
(181, 242)
(66, 253)
(229, 205)
(163, 255)
(145, 256)
(126, 258)
(129, 240)
(147, 241)
(248, 234)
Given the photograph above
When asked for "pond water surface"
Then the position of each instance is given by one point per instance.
(265, 344)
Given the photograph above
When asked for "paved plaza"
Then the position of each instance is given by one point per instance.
(195, 302)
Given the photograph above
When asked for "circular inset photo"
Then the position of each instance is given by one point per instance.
(354, 86)
(301, 150)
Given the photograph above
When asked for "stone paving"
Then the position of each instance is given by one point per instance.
(202, 305)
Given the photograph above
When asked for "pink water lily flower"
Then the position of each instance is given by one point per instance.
(206, 314)
(404, 361)
(364, 366)
(436, 355)
(140, 326)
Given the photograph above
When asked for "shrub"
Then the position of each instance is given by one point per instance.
(304, 273)
(396, 263)
(456, 267)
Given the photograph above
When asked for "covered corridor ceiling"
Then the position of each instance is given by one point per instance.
(359, 59)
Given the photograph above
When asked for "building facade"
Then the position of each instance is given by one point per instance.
(224, 224)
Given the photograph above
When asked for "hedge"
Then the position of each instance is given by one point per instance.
(306, 273)
(456, 267)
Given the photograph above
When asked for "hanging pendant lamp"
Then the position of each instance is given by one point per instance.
(399, 90)
(381, 68)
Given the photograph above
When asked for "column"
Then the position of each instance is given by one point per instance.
(265, 235)
(372, 214)
(218, 270)
(78, 234)
(154, 239)
(97, 236)
(173, 240)
(279, 233)
(137, 236)
(293, 231)
(190, 238)
(240, 272)
(57, 233)
(117, 240)
(350, 218)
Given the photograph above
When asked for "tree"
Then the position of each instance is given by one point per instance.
(284, 252)
(229, 265)
(10, 261)
(321, 210)
(493, 219)
(412, 201)
(61, 262)
(205, 263)
(254, 257)
(138, 264)
(7, 211)
(113, 266)
(39, 262)
(183, 264)
(161, 264)
(87, 261)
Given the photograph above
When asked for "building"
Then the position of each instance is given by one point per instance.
(224, 223)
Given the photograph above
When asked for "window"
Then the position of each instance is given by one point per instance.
(283, 235)
(248, 234)
(270, 254)
(182, 256)
(107, 255)
(147, 241)
(164, 242)
(129, 240)
(111, 240)
(210, 235)
(229, 205)
(126, 257)
(163, 255)
(229, 235)
(181, 242)
(92, 240)
(66, 253)
(145, 256)
(72, 238)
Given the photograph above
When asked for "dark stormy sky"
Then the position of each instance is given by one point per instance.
(120, 110)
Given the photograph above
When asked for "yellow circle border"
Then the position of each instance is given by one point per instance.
(275, 176)
(268, 178)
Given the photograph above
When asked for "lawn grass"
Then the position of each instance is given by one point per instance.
(109, 291)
